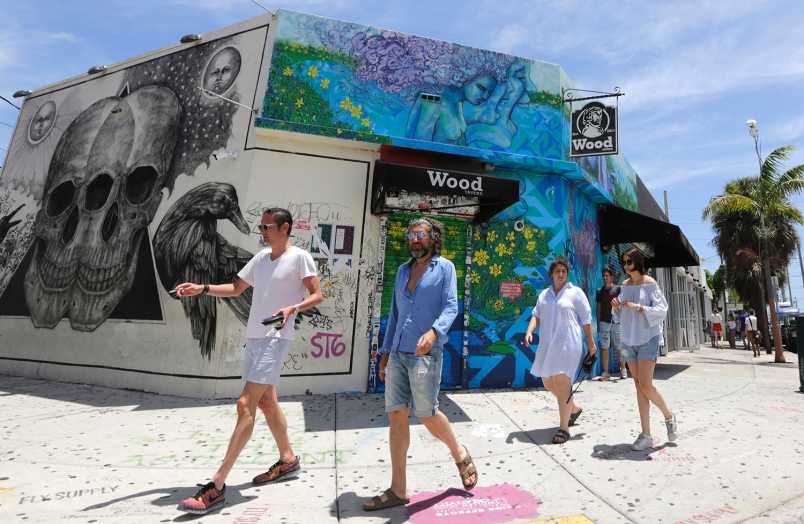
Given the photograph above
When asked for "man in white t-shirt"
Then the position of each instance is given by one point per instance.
(280, 276)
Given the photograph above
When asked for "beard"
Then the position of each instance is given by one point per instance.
(419, 253)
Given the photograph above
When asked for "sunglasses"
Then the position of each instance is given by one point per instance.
(267, 227)
(420, 234)
(627, 262)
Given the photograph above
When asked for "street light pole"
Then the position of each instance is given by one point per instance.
(765, 255)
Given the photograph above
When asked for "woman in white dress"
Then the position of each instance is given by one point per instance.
(641, 308)
(563, 312)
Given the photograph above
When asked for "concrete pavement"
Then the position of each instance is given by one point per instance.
(78, 453)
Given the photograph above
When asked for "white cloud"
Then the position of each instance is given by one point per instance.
(50, 37)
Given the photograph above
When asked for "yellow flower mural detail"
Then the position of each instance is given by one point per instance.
(356, 111)
(510, 236)
(446, 253)
(366, 122)
(528, 233)
(324, 83)
(531, 245)
(475, 278)
(299, 102)
(312, 71)
(499, 305)
(347, 104)
(453, 231)
(492, 236)
(481, 257)
(477, 234)
(501, 250)
(287, 71)
(495, 270)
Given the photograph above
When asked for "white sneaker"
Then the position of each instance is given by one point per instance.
(623, 372)
(642, 442)
(605, 375)
(672, 428)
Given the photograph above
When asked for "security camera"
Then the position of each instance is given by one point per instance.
(220, 155)
(519, 225)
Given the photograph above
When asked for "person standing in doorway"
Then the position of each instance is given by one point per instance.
(608, 329)
(280, 275)
(717, 327)
(643, 308)
(564, 314)
(751, 325)
(423, 307)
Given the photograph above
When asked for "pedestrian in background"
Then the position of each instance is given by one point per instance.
(563, 313)
(743, 335)
(732, 331)
(607, 328)
(642, 308)
(717, 327)
(424, 305)
(751, 325)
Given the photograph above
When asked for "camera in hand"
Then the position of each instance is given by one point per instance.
(276, 319)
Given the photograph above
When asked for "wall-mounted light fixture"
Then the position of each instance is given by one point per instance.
(189, 39)
(21, 93)
(96, 69)
(220, 155)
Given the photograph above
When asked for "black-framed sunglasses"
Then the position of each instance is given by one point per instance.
(267, 227)
(420, 234)
(628, 262)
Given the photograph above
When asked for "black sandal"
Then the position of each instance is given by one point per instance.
(561, 437)
(574, 416)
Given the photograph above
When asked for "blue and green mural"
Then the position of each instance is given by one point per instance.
(511, 256)
(354, 82)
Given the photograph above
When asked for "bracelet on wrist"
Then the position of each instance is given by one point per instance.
(206, 289)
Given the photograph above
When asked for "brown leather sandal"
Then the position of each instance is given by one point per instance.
(391, 500)
(470, 470)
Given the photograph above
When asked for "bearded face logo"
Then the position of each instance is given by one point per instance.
(102, 190)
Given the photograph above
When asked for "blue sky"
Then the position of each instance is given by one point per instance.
(692, 71)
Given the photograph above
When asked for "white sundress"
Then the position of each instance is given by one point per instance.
(561, 318)
(638, 328)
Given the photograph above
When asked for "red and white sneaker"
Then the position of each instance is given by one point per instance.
(207, 499)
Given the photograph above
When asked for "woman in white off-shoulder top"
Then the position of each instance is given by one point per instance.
(641, 308)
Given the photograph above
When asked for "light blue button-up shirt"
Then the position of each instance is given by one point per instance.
(432, 305)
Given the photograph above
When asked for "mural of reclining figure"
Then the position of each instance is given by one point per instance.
(492, 121)
(102, 190)
(445, 121)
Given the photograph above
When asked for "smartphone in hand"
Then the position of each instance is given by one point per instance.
(276, 319)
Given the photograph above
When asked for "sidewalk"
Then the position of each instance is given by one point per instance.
(97, 455)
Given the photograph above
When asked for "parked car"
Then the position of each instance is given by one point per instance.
(787, 325)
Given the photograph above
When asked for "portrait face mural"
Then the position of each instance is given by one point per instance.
(42, 122)
(222, 70)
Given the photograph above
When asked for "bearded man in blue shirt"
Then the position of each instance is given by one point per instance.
(424, 306)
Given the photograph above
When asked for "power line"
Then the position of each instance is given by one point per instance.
(9, 103)
(9, 125)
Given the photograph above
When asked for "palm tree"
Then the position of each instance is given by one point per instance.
(754, 222)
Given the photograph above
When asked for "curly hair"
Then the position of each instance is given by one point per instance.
(434, 228)
(560, 260)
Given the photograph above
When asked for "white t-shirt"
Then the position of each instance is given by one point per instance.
(277, 284)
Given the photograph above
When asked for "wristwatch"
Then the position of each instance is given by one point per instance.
(296, 309)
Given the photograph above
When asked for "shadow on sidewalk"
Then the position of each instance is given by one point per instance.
(624, 452)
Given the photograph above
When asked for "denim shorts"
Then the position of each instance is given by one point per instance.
(263, 359)
(609, 335)
(647, 351)
(412, 381)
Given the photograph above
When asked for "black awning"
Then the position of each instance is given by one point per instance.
(399, 187)
(671, 247)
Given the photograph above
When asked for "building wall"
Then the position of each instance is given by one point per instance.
(121, 197)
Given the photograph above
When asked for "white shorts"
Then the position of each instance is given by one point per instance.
(263, 359)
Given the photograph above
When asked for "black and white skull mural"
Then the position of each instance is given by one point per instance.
(104, 184)
(102, 191)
